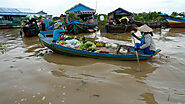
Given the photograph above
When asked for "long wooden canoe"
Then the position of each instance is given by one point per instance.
(47, 41)
(174, 21)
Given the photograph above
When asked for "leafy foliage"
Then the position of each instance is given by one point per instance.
(56, 18)
(153, 16)
(149, 17)
(62, 19)
(73, 17)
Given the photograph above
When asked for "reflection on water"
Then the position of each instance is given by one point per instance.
(52, 78)
(148, 98)
(145, 69)
(68, 60)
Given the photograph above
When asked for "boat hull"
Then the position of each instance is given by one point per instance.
(175, 22)
(150, 24)
(29, 32)
(47, 41)
(119, 28)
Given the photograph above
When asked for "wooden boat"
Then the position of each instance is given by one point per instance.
(76, 27)
(47, 41)
(118, 28)
(29, 31)
(119, 21)
(150, 24)
(174, 21)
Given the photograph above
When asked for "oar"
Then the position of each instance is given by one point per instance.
(139, 66)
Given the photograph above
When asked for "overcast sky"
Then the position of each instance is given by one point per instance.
(56, 7)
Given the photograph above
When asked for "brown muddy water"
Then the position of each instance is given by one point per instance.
(26, 78)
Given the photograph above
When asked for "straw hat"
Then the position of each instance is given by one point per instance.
(144, 28)
(56, 25)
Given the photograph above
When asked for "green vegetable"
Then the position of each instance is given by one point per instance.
(81, 47)
(100, 44)
(97, 51)
(90, 45)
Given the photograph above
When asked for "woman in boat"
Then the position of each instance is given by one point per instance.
(57, 31)
(131, 19)
(53, 26)
(42, 24)
(91, 21)
(147, 45)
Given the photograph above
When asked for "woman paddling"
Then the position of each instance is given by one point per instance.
(147, 45)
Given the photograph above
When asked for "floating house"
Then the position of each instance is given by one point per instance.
(114, 24)
(10, 17)
(118, 13)
(81, 11)
(80, 18)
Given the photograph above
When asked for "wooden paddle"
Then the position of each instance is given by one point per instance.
(139, 66)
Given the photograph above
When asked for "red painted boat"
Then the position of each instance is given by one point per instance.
(174, 21)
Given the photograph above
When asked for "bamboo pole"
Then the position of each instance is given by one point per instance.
(139, 66)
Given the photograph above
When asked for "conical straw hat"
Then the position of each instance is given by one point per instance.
(144, 28)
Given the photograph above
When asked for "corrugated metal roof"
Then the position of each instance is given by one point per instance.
(80, 7)
(26, 10)
(5, 10)
(16, 14)
(41, 12)
(19, 11)
(16, 10)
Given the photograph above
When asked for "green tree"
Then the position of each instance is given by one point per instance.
(174, 14)
(151, 16)
(56, 18)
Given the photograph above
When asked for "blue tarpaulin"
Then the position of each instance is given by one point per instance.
(122, 11)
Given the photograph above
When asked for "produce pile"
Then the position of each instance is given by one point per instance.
(88, 44)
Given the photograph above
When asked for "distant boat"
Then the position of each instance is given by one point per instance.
(150, 24)
(118, 28)
(174, 21)
(119, 21)
(29, 29)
